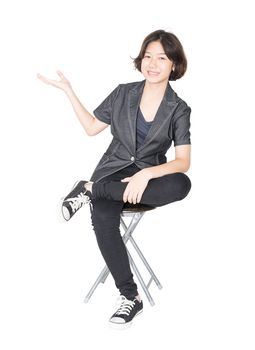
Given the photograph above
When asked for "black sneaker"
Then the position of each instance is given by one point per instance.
(126, 312)
(74, 201)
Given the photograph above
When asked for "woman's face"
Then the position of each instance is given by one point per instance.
(156, 66)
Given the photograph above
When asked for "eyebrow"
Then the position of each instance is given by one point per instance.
(161, 53)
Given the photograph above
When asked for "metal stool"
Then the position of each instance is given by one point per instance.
(135, 211)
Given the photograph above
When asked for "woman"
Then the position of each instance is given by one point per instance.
(145, 118)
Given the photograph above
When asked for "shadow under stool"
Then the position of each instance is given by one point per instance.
(135, 211)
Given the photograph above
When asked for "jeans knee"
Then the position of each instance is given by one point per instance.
(106, 224)
(185, 185)
(188, 183)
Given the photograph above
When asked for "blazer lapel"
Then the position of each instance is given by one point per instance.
(134, 98)
(164, 112)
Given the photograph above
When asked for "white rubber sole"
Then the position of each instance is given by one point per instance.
(62, 212)
(59, 211)
(122, 326)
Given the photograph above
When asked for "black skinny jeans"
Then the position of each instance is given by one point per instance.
(107, 203)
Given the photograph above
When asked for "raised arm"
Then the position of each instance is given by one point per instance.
(92, 125)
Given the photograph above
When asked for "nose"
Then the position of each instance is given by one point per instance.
(152, 62)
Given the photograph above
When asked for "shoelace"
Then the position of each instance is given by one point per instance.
(125, 307)
(78, 201)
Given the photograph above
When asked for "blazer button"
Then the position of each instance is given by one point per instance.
(132, 158)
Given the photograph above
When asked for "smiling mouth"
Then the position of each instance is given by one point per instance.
(152, 73)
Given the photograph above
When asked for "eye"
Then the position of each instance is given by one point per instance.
(162, 58)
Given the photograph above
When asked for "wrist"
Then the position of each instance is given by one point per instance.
(68, 90)
(147, 173)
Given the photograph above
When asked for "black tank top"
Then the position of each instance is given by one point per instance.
(142, 128)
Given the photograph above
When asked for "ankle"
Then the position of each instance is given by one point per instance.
(88, 186)
(138, 298)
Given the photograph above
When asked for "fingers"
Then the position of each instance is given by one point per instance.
(126, 197)
(132, 193)
(60, 84)
(60, 74)
(51, 81)
(44, 79)
(132, 198)
(126, 179)
(138, 198)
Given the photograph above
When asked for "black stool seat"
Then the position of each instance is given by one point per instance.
(138, 207)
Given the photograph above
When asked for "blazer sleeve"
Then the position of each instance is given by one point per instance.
(104, 111)
(181, 126)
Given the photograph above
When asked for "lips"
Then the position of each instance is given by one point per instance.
(152, 73)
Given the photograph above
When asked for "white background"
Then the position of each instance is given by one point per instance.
(201, 248)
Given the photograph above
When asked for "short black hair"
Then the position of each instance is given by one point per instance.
(173, 49)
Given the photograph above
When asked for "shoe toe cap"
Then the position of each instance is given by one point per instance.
(66, 213)
(118, 320)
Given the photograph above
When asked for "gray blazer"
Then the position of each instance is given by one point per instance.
(119, 109)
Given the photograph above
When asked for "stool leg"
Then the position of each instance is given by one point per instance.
(105, 272)
(128, 236)
(101, 278)
(105, 275)
(129, 230)
(138, 275)
(154, 277)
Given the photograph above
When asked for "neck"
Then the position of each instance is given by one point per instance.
(155, 88)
